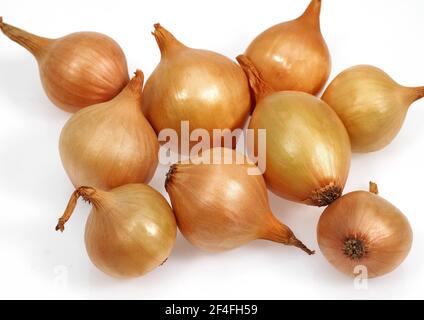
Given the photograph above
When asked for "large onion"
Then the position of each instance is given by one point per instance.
(221, 202)
(293, 55)
(371, 105)
(78, 70)
(307, 147)
(110, 144)
(202, 87)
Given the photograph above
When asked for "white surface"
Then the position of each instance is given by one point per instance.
(36, 262)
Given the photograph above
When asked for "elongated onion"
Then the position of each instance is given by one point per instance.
(78, 70)
(293, 55)
(202, 87)
(220, 205)
(130, 231)
(371, 105)
(110, 144)
(362, 232)
(307, 147)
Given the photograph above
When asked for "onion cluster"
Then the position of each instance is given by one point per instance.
(110, 149)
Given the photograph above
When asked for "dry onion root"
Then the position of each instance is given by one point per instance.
(110, 144)
(131, 230)
(293, 55)
(221, 206)
(307, 147)
(78, 70)
(362, 229)
(202, 87)
(371, 105)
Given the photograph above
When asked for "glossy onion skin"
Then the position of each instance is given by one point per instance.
(78, 70)
(110, 144)
(384, 228)
(202, 87)
(307, 147)
(220, 207)
(371, 105)
(293, 55)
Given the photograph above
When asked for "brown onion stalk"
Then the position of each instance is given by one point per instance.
(364, 230)
(110, 144)
(307, 147)
(131, 230)
(293, 55)
(222, 206)
(78, 70)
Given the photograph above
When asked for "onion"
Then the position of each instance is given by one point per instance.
(77, 70)
(293, 55)
(307, 147)
(130, 231)
(110, 144)
(371, 105)
(363, 229)
(202, 87)
(221, 205)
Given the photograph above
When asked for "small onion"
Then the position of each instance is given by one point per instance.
(364, 230)
(131, 230)
(202, 87)
(78, 70)
(293, 55)
(307, 147)
(221, 205)
(110, 144)
(371, 105)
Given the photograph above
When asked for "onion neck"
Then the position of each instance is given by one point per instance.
(312, 13)
(418, 93)
(29, 41)
(373, 188)
(280, 233)
(134, 87)
(166, 40)
(89, 194)
(258, 85)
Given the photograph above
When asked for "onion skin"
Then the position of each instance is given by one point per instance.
(202, 87)
(383, 230)
(78, 70)
(130, 231)
(371, 105)
(293, 55)
(307, 147)
(110, 144)
(220, 207)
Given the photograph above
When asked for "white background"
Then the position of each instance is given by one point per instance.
(37, 262)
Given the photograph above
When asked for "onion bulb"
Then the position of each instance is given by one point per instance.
(371, 105)
(202, 87)
(307, 147)
(364, 230)
(110, 144)
(78, 70)
(220, 205)
(130, 231)
(293, 55)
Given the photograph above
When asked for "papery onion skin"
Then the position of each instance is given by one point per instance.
(381, 234)
(293, 55)
(130, 231)
(307, 147)
(220, 207)
(202, 87)
(371, 105)
(110, 144)
(78, 70)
